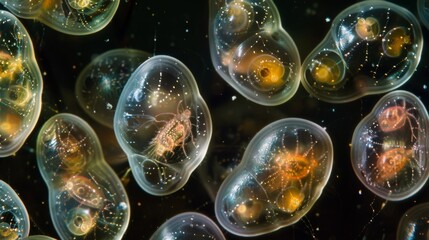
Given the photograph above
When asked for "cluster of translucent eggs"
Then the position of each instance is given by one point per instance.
(164, 126)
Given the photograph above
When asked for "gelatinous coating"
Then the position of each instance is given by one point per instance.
(252, 52)
(187, 226)
(86, 197)
(75, 17)
(20, 85)
(14, 219)
(100, 83)
(283, 172)
(423, 10)
(389, 150)
(163, 125)
(38, 237)
(373, 47)
(414, 223)
(222, 157)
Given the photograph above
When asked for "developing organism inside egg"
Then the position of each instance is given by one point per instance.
(282, 174)
(163, 124)
(252, 52)
(372, 47)
(86, 197)
(346, 209)
(388, 148)
(21, 85)
(75, 17)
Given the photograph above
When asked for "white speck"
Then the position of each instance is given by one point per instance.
(109, 106)
(327, 19)
(233, 98)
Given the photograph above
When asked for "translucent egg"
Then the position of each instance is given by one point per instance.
(222, 157)
(86, 198)
(163, 125)
(14, 219)
(389, 147)
(372, 47)
(281, 175)
(100, 83)
(252, 52)
(414, 223)
(189, 225)
(75, 17)
(20, 85)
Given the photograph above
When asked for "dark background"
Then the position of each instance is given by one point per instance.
(345, 210)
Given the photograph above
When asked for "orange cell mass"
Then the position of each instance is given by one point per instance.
(392, 162)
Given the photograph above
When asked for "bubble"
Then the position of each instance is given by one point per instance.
(281, 175)
(80, 221)
(79, 4)
(86, 197)
(20, 85)
(414, 223)
(389, 147)
(74, 17)
(423, 11)
(189, 225)
(14, 219)
(373, 47)
(252, 52)
(395, 41)
(367, 28)
(100, 83)
(328, 70)
(163, 125)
